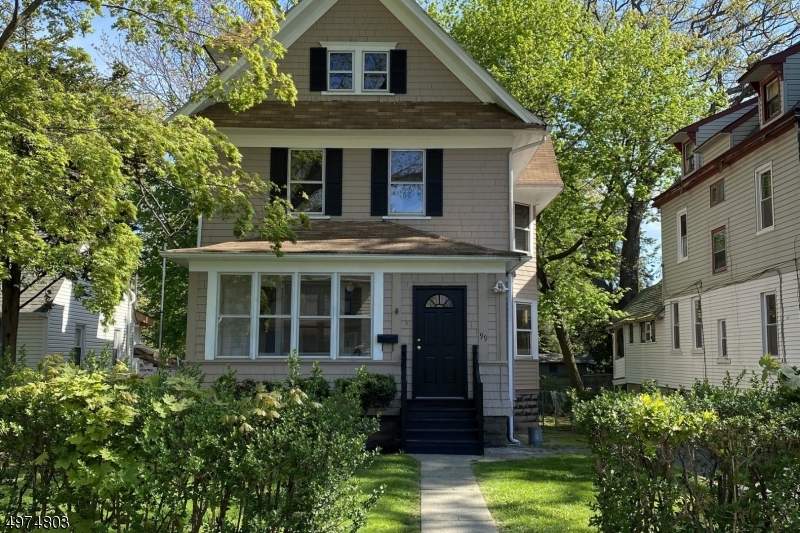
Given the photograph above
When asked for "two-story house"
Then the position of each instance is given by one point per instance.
(423, 178)
(730, 230)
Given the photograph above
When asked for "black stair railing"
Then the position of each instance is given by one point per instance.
(477, 395)
(403, 395)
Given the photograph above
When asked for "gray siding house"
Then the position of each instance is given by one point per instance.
(730, 232)
(423, 178)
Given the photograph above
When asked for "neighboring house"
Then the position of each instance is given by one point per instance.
(552, 365)
(423, 178)
(730, 233)
(54, 322)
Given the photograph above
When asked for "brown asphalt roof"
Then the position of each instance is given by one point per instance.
(543, 167)
(358, 238)
(368, 115)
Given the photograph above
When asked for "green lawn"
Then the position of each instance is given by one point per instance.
(397, 510)
(539, 495)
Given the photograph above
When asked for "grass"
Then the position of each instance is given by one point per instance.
(539, 495)
(397, 510)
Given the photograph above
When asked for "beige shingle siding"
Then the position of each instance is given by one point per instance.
(368, 20)
(196, 317)
(475, 196)
(746, 251)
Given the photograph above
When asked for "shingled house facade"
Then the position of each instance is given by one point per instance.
(423, 178)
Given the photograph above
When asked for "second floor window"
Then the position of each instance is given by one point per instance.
(522, 227)
(772, 99)
(376, 71)
(340, 71)
(688, 158)
(764, 197)
(718, 239)
(305, 184)
(717, 193)
(407, 182)
(683, 236)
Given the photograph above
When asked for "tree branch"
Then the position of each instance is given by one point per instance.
(18, 19)
(569, 251)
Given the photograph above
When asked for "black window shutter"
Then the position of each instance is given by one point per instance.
(319, 69)
(379, 205)
(333, 182)
(397, 71)
(279, 170)
(434, 183)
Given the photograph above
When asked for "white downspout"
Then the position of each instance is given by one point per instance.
(510, 311)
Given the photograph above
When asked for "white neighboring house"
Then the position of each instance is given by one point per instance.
(730, 231)
(54, 322)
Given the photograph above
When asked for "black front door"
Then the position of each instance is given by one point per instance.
(440, 344)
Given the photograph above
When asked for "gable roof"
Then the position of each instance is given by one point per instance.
(328, 237)
(302, 16)
(767, 65)
(646, 305)
(543, 167)
(683, 134)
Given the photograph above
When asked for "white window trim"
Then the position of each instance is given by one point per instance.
(320, 214)
(353, 72)
(528, 229)
(82, 345)
(534, 328)
(424, 187)
(257, 308)
(340, 316)
(762, 101)
(757, 181)
(358, 49)
(212, 311)
(695, 348)
(364, 72)
(675, 312)
(764, 341)
(681, 257)
(723, 358)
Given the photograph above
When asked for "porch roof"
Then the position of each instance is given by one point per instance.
(328, 237)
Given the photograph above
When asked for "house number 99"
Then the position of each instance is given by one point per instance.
(484, 337)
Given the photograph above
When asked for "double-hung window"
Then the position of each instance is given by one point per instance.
(722, 333)
(275, 315)
(306, 185)
(522, 228)
(340, 70)
(772, 99)
(697, 322)
(315, 315)
(719, 259)
(234, 315)
(79, 344)
(647, 331)
(764, 205)
(688, 157)
(355, 312)
(524, 328)
(683, 236)
(769, 323)
(619, 343)
(376, 71)
(676, 327)
(407, 182)
(717, 192)
(358, 68)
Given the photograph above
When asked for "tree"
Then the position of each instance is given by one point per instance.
(80, 160)
(612, 90)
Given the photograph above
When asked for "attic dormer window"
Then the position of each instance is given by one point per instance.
(688, 157)
(772, 99)
(358, 68)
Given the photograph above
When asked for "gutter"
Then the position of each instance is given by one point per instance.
(510, 281)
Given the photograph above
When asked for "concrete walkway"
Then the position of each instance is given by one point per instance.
(451, 499)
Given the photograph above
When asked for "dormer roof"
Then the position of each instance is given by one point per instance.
(690, 132)
(768, 65)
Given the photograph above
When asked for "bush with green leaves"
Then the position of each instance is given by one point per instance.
(376, 391)
(706, 459)
(117, 453)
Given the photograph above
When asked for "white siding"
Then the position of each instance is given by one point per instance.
(740, 306)
(67, 312)
(715, 147)
(32, 337)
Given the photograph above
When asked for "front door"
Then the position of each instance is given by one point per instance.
(440, 344)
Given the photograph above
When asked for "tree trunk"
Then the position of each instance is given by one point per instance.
(573, 375)
(631, 248)
(11, 291)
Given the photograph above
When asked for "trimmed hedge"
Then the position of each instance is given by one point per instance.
(116, 453)
(376, 391)
(709, 459)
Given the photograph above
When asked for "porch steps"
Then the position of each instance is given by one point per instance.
(442, 426)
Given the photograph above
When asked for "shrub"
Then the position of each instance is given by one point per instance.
(116, 453)
(376, 390)
(706, 459)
